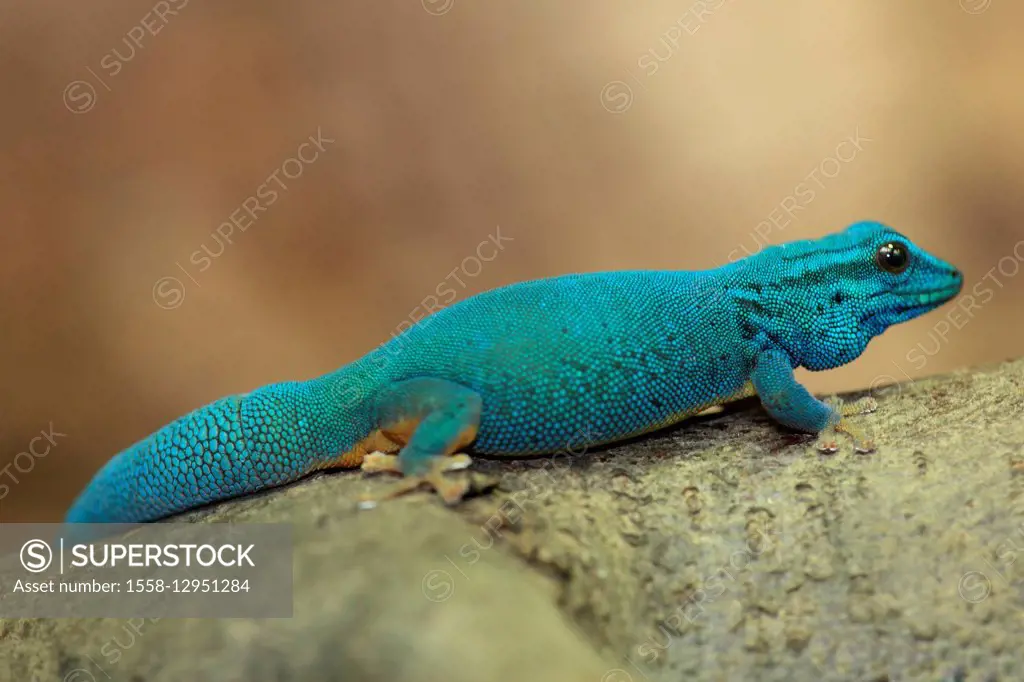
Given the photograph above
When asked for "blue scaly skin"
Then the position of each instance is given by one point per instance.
(541, 366)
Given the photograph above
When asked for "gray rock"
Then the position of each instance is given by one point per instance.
(726, 549)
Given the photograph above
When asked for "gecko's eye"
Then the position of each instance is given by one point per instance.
(892, 257)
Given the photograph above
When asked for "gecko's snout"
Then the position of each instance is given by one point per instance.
(954, 283)
(948, 283)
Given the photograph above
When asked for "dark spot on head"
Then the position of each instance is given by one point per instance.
(655, 402)
(838, 298)
(723, 357)
(756, 287)
(565, 330)
(671, 337)
(821, 308)
(617, 365)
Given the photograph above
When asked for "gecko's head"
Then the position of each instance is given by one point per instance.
(858, 283)
(905, 281)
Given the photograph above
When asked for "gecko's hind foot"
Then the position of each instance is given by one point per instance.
(378, 462)
(451, 490)
(862, 441)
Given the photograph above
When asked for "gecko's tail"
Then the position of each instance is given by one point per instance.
(234, 446)
(122, 491)
(114, 494)
(112, 497)
(192, 461)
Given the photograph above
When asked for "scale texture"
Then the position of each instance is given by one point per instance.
(542, 366)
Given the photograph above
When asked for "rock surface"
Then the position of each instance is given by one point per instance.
(725, 549)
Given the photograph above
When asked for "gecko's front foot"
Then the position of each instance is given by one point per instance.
(450, 490)
(862, 442)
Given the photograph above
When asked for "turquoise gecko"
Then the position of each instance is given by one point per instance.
(545, 365)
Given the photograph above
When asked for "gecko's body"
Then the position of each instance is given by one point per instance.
(542, 366)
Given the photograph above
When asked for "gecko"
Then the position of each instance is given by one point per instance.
(537, 367)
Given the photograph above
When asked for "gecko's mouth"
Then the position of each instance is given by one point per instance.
(906, 305)
(930, 298)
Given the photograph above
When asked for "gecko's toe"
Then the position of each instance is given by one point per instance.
(457, 462)
(863, 406)
(865, 447)
(828, 439)
(862, 440)
(827, 446)
(450, 490)
(377, 462)
(403, 487)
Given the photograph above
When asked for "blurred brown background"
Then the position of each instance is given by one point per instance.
(597, 135)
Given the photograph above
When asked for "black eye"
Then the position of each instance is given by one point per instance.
(893, 257)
